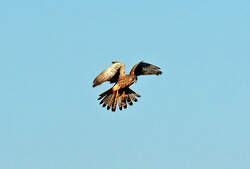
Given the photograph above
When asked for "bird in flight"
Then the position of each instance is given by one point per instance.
(121, 92)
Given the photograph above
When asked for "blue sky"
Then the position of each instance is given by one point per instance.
(196, 115)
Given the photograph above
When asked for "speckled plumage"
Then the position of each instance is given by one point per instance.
(121, 93)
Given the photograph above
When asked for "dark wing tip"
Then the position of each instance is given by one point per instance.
(158, 72)
(94, 83)
(144, 68)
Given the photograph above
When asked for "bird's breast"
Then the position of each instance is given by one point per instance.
(125, 82)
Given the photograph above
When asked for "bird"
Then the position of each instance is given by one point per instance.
(121, 91)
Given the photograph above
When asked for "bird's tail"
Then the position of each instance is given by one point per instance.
(123, 96)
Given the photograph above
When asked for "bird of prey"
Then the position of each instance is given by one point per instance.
(121, 92)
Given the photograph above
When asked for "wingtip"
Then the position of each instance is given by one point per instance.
(94, 83)
(159, 73)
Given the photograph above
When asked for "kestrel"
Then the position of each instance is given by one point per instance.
(121, 92)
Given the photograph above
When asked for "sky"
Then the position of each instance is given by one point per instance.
(194, 116)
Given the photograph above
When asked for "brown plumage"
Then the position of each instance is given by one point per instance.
(121, 93)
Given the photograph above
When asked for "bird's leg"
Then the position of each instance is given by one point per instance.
(115, 102)
(124, 104)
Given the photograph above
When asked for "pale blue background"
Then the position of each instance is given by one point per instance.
(195, 116)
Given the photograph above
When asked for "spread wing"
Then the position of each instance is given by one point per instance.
(144, 68)
(111, 74)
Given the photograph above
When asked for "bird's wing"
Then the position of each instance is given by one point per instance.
(144, 68)
(111, 74)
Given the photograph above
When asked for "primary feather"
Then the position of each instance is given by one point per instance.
(144, 68)
(111, 74)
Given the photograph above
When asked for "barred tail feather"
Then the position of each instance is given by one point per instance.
(120, 103)
(122, 97)
(115, 100)
(124, 103)
(111, 101)
(127, 96)
(105, 93)
(129, 100)
(106, 98)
